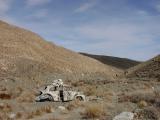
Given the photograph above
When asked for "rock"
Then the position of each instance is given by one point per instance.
(61, 107)
(124, 116)
(52, 110)
(12, 115)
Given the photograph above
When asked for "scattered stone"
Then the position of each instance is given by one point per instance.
(149, 113)
(124, 116)
(61, 107)
(52, 110)
(12, 115)
(1, 105)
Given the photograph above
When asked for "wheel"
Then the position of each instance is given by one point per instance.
(79, 98)
(50, 98)
(44, 97)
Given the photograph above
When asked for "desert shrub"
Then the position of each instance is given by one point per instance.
(90, 90)
(142, 104)
(93, 110)
(74, 104)
(17, 92)
(5, 95)
(2, 88)
(29, 115)
(77, 83)
(3, 116)
(26, 96)
(34, 113)
(108, 95)
(149, 113)
(47, 109)
(5, 107)
(10, 93)
(39, 112)
(137, 97)
(19, 115)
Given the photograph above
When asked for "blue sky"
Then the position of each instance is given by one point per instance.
(122, 28)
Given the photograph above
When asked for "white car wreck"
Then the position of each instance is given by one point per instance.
(57, 91)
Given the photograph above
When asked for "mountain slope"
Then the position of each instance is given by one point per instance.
(146, 70)
(24, 53)
(121, 63)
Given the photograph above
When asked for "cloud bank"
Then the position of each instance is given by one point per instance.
(109, 27)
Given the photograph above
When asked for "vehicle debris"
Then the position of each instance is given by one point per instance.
(58, 91)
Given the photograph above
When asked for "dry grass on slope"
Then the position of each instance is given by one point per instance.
(20, 44)
(146, 70)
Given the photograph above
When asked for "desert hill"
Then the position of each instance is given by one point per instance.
(121, 63)
(26, 54)
(146, 70)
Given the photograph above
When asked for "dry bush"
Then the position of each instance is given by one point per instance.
(10, 93)
(5, 95)
(94, 110)
(3, 88)
(5, 107)
(47, 109)
(77, 83)
(137, 97)
(74, 104)
(3, 116)
(29, 115)
(142, 104)
(40, 111)
(108, 95)
(19, 115)
(32, 114)
(149, 113)
(17, 92)
(26, 96)
(90, 90)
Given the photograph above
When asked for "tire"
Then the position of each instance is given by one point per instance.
(79, 98)
(50, 98)
(45, 97)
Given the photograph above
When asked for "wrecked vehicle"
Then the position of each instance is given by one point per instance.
(57, 91)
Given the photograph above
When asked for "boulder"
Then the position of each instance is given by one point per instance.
(124, 116)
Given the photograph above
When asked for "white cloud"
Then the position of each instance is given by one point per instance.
(86, 6)
(142, 12)
(131, 40)
(4, 6)
(37, 2)
(158, 7)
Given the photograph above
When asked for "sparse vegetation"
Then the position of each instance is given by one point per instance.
(5, 107)
(74, 104)
(26, 96)
(5, 95)
(142, 104)
(90, 90)
(94, 110)
(40, 111)
(149, 113)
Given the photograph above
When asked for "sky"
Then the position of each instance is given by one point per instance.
(121, 28)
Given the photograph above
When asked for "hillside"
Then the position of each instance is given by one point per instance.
(146, 70)
(121, 63)
(26, 54)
